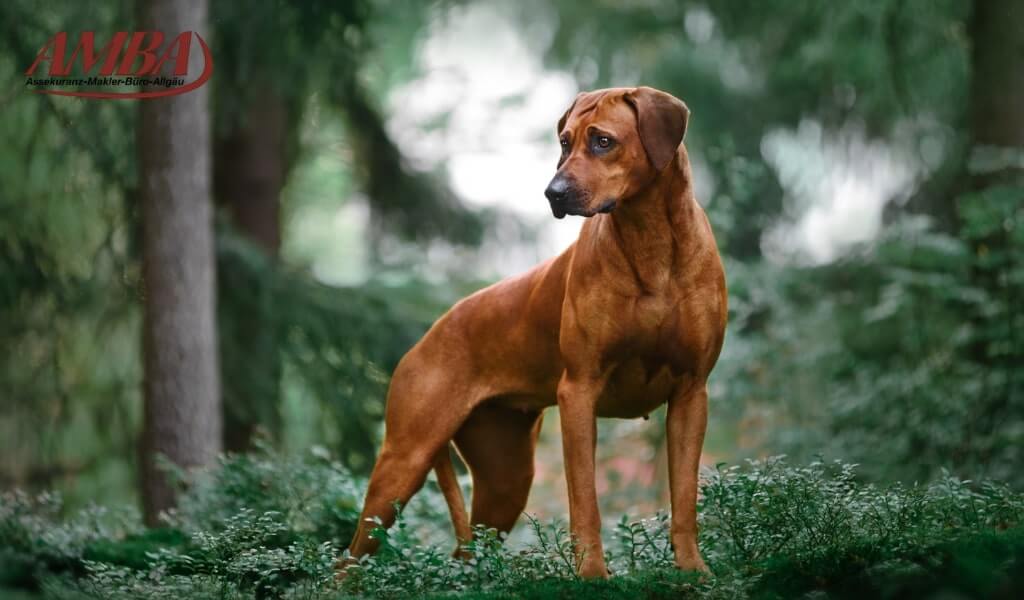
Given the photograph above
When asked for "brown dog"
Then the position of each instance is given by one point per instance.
(631, 316)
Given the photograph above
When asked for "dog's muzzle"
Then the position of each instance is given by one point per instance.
(563, 197)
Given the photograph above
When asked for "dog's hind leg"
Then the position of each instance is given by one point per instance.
(449, 485)
(420, 421)
(497, 444)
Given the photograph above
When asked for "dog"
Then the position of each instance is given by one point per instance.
(631, 316)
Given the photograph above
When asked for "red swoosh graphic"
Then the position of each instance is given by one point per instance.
(207, 72)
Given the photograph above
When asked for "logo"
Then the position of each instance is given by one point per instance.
(166, 69)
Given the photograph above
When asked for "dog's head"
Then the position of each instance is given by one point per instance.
(614, 142)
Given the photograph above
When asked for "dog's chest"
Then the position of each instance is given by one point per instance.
(635, 388)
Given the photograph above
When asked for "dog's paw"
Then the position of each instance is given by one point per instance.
(593, 569)
(693, 563)
(343, 568)
(462, 554)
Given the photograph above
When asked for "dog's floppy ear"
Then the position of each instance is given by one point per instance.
(565, 117)
(661, 120)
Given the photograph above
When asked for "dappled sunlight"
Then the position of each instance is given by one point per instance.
(836, 184)
(485, 107)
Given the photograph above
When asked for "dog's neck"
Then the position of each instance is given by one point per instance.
(653, 230)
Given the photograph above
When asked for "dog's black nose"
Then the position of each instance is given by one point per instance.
(558, 189)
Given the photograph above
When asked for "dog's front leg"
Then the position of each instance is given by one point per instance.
(686, 422)
(577, 399)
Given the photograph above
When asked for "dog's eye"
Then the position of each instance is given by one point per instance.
(565, 144)
(599, 144)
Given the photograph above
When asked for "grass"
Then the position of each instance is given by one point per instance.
(266, 526)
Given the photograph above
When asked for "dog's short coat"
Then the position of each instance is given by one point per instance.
(629, 317)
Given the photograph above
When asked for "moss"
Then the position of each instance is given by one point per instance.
(133, 551)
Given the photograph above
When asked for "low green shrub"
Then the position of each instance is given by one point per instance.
(270, 527)
(308, 496)
(35, 540)
(772, 509)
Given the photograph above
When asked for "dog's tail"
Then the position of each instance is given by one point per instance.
(449, 485)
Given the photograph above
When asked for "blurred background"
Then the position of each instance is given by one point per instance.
(375, 160)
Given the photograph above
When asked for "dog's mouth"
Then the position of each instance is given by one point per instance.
(561, 210)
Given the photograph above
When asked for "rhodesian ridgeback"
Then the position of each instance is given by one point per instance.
(631, 316)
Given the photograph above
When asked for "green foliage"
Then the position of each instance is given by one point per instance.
(267, 526)
(811, 514)
(66, 274)
(35, 540)
(308, 496)
(903, 356)
(403, 567)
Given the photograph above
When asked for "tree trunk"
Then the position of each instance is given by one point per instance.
(997, 79)
(996, 114)
(996, 121)
(250, 164)
(182, 419)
